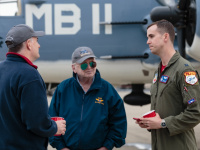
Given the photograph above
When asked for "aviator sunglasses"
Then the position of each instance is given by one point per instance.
(85, 65)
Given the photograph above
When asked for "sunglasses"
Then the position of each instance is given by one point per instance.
(85, 65)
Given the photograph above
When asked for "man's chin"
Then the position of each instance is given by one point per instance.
(152, 51)
(89, 75)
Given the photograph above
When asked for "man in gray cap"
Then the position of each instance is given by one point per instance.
(24, 119)
(92, 108)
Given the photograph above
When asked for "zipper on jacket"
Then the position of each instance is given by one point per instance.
(186, 90)
(158, 78)
(81, 118)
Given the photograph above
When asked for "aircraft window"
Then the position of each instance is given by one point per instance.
(10, 7)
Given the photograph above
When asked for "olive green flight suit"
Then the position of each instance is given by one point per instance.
(175, 96)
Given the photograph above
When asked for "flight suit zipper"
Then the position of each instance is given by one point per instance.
(156, 94)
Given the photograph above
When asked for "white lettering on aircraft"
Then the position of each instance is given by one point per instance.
(45, 10)
(96, 18)
(59, 19)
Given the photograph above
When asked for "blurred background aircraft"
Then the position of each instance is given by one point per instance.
(114, 29)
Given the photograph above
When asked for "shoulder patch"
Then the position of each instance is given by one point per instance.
(190, 77)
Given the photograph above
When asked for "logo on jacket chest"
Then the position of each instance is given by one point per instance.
(164, 79)
(99, 100)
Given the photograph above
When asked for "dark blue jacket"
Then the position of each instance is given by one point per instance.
(93, 120)
(24, 119)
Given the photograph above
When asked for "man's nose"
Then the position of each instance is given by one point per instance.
(148, 41)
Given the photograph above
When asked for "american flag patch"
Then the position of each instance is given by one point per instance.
(191, 101)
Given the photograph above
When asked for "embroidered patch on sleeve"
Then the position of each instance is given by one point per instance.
(191, 101)
(164, 79)
(190, 77)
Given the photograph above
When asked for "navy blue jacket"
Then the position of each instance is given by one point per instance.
(24, 119)
(93, 119)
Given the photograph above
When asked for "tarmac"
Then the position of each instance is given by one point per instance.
(137, 138)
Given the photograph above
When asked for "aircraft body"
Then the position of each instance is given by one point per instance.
(114, 29)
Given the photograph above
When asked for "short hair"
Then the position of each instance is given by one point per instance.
(165, 26)
(15, 49)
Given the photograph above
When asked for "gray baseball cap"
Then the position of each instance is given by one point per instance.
(20, 33)
(82, 53)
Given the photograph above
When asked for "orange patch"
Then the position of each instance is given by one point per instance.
(190, 73)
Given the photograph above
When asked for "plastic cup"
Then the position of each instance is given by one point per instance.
(57, 119)
(150, 114)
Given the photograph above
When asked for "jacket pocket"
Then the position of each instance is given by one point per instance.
(165, 87)
(99, 137)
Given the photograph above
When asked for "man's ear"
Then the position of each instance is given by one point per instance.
(73, 68)
(166, 37)
(28, 44)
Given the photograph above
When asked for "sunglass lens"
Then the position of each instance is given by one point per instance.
(84, 66)
(93, 64)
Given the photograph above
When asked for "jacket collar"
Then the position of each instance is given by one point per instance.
(97, 80)
(174, 58)
(23, 57)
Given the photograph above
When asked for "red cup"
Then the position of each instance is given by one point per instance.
(150, 114)
(57, 119)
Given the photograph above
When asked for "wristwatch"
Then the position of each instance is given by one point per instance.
(163, 124)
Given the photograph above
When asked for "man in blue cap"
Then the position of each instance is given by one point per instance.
(93, 110)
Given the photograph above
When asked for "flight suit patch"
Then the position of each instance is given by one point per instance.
(155, 78)
(190, 78)
(164, 79)
(191, 101)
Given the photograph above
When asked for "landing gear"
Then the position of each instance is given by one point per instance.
(137, 96)
(50, 88)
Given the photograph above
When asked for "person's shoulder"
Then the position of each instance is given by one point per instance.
(28, 72)
(25, 74)
(107, 85)
(105, 82)
(66, 83)
(185, 64)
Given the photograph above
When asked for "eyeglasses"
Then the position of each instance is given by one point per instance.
(85, 65)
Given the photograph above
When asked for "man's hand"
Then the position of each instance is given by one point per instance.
(150, 123)
(102, 148)
(140, 123)
(65, 149)
(61, 127)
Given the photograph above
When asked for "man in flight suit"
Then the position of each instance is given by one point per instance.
(175, 94)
